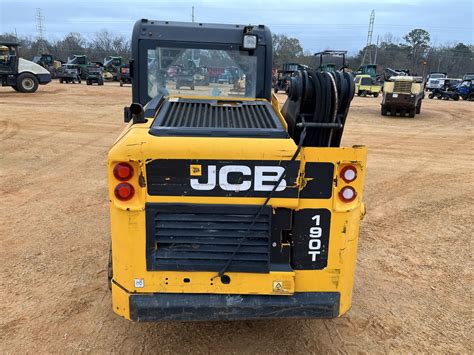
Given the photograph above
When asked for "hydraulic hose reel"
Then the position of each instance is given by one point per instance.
(320, 102)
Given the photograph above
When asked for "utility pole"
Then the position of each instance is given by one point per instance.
(369, 39)
(376, 50)
(39, 27)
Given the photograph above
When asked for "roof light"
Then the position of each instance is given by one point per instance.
(249, 42)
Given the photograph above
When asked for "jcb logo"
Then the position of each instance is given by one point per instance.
(264, 178)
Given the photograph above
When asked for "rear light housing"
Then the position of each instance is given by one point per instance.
(347, 194)
(124, 191)
(348, 173)
(123, 171)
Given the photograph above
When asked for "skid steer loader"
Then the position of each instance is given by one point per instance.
(223, 206)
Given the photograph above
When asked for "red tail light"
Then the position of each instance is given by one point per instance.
(123, 171)
(124, 191)
(347, 194)
(348, 173)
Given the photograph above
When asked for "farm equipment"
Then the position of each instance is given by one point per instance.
(229, 76)
(185, 76)
(201, 76)
(366, 85)
(280, 81)
(402, 94)
(388, 73)
(94, 75)
(225, 207)
(21, 74)
(69, 73)
(331, 67)
(82, 62)
(124, 75)
(282, 78)
(112, 66)
(367, 69)
(48, 62)
(447, 90)
(466, 89)
(214, 73)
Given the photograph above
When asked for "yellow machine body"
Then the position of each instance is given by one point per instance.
(129, 232)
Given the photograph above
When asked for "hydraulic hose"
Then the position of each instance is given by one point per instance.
(319, 101)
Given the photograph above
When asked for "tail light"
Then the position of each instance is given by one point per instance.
(123, 171)
(348, 173)
(347, 194)
(124, 191)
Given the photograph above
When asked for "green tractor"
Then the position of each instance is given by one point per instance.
(330, 67)
(83, 62)
(367, 69)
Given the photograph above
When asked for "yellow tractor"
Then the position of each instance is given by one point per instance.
(366, 85)
(222, 205)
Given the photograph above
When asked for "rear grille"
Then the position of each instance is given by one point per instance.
(207, 115)
(213, 117)
(185, 237)
(402, 87)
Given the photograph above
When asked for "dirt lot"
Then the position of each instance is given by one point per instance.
(414, 276)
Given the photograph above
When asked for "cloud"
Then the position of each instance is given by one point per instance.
(318, 24)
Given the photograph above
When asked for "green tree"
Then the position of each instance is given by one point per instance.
(418, 40)
(285, 49)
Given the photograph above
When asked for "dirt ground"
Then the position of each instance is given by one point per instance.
(413, 288)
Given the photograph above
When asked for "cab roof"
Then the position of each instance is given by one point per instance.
(170, 33)
(196, 32)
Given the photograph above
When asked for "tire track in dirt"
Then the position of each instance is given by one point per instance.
(8, 130)
(410, 287)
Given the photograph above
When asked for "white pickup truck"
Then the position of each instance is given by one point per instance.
(434, 82)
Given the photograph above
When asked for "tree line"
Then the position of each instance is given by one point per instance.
(414, 51)
(102, 44)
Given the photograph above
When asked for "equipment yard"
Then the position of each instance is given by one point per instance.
(413, 279)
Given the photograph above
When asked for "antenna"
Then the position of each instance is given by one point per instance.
(369, 39)
(192, 13)
(39, 27)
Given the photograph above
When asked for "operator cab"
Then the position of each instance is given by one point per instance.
(8, 57)
(241, 54)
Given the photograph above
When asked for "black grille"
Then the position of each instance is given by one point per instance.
(203, 237)
(194, 117)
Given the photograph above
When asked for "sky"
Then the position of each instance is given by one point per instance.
(319, 25)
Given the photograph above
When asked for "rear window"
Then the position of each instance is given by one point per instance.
(201, 72)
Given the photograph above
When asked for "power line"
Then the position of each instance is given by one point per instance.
(39, 27)
(369, 39)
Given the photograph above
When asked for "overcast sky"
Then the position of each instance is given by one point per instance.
(317, 24)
